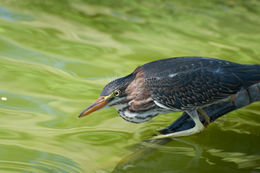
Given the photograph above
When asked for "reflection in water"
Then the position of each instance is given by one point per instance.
(145, 156)
(30, 160)
(11, 16)
(194, 155)
(4, 98)
(96, 137)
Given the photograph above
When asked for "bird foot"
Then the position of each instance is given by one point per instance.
(196, 129)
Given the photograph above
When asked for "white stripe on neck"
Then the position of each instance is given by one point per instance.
(161, 105)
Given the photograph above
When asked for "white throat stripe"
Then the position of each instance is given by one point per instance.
(160, 105)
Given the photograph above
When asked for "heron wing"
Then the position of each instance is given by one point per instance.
(189, 89)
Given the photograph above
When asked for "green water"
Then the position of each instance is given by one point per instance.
(56, 56)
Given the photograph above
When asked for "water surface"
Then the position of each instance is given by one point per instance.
(56, 56)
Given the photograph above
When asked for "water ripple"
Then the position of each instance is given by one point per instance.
(12, 16)
(29, 160)
(97, 137)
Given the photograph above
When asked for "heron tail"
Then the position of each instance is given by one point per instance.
(247, 74)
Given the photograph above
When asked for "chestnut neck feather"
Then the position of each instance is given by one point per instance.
(138, 105)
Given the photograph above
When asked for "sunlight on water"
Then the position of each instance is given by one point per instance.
(56, 56)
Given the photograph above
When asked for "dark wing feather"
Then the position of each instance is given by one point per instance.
(192, 88)
(164, 67)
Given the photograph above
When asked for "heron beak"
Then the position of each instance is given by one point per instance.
(99, 103)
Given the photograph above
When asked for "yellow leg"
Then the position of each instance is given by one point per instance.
(205, 116)
(196, 129)
(233, 97)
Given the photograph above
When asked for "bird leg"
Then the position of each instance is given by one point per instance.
(205, 116)
(196, 129)
(233, 97)
(214, 111)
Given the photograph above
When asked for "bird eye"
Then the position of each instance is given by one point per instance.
(116, 93)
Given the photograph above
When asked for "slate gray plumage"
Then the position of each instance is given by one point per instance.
(186, 84)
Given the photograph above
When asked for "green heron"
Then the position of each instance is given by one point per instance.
(183, 84)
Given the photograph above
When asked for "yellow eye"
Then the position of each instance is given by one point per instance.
(117, 93)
